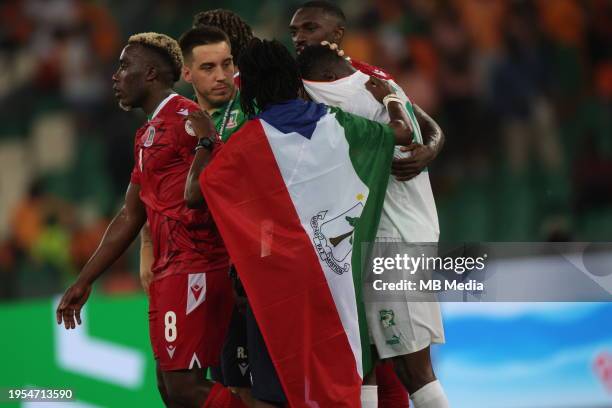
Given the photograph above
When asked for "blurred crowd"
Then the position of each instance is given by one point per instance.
(522, 90)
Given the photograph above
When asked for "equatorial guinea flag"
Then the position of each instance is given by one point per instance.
(294, 193)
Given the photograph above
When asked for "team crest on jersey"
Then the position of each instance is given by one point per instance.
(150, 137)
(387, 318)
(333, 237)
(189, 128)
(232, 121)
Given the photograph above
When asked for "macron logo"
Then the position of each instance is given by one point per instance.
(171, 350)
(196, 290)
(183, 112)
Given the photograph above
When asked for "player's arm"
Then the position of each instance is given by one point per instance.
(433, 137)
(146, 257)
(121, 232)
(205, 129)
(421, 154)
(399, 121)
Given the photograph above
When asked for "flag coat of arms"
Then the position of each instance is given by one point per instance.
(295, 193)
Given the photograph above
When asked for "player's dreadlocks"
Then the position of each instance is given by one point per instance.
(268, 75)
(238, 31)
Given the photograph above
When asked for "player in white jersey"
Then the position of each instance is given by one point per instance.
(404, 330)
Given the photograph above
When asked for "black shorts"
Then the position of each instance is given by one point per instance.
(265, 383)
(234, 370)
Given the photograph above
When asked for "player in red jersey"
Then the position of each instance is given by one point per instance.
(190, 296)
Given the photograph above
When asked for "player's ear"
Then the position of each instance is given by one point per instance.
(186, 72)
(151, 73)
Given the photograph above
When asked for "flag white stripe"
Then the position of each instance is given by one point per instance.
(315, 187)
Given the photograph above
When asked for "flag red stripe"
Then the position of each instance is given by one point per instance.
(286, 287)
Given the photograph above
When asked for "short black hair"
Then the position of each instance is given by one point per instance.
(202, 35)
(238, 31)
(327, 7)
(268, 75)
(314, 58)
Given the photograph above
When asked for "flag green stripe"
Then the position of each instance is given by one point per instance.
(366, 137)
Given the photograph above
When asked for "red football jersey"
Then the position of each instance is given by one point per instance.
(370, 70)
(184, 240)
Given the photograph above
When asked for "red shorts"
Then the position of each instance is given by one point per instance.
(188, 319)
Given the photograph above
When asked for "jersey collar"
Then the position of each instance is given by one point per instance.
(161, 106)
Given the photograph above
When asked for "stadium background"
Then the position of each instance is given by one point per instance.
(522, 90)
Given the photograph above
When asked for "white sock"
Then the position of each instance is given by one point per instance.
(431, 395)
(369, 396)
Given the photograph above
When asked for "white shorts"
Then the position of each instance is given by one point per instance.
(397, 324)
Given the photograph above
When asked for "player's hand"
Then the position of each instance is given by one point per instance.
(69, 308)
(406, 168)
(202, 124)
(379, 88)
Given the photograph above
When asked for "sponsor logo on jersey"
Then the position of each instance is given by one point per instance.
(171, 349)
(387, 318)
(150, 136)
(183, 112)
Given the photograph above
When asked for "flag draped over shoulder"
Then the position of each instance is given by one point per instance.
(294, 193)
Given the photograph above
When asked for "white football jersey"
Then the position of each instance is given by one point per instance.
(409, 210)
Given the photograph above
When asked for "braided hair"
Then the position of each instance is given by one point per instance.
(268, 75)
(238, 31)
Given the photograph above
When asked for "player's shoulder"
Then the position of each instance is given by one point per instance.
(177, 109)
(370, 69)
(173, 115)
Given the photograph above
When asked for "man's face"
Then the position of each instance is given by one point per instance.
(129, 81)
(210, 69)
(310, 26)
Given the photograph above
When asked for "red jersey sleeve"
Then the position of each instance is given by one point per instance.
(136, 173)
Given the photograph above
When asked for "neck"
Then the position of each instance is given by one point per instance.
(343, 70)
(155, 99)
(336, 72)
(205, 105)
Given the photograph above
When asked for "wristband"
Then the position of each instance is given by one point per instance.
(391, 98)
